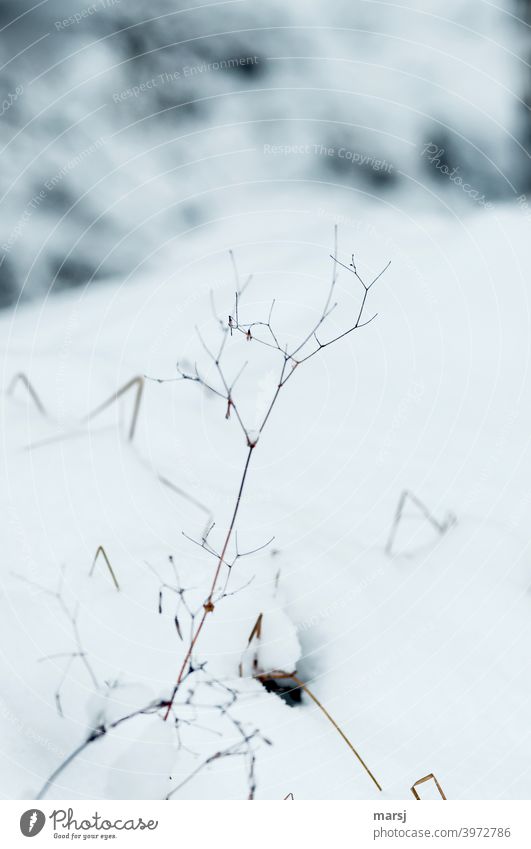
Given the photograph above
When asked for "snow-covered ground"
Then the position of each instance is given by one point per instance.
(421, 657)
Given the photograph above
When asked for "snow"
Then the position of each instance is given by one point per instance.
(420, 657)
(130, 175)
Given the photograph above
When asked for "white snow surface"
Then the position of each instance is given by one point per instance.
(97, 178)
(421, 657)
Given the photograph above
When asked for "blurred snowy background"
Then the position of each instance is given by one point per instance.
(125, 126)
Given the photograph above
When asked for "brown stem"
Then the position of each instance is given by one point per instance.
(208, 606)
(322, 708)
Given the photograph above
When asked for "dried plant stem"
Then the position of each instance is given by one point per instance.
(294, 677)
(290, 361)
(95, 734)
(231, 751)
(422, 780)
(72, 617)
(440, 527)
(137, 381)
(208, 606)
(24, 379)
(331, 719)
(71, 757)
(101, 550)
(256, 632)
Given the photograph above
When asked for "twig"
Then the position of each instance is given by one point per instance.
(230, 751)
(72, 617)
(208, 606)
(290, 361)
(96, 734)
(243, 748)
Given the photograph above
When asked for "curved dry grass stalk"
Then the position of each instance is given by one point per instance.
(21, 377)
(255, 633)
(422, 781)
(440, 526)
(292, 676)
(101, 550)
(137, 381)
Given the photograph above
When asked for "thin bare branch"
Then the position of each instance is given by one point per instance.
(289, 365)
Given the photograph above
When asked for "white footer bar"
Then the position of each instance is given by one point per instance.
(262, 825)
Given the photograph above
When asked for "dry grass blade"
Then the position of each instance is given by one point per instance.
(101, 550)
(24, 379)
(315, 700)
(321, 707)
(422, 781)
(256, 632)
(179, 491)
(137, 381)
(440, 527)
